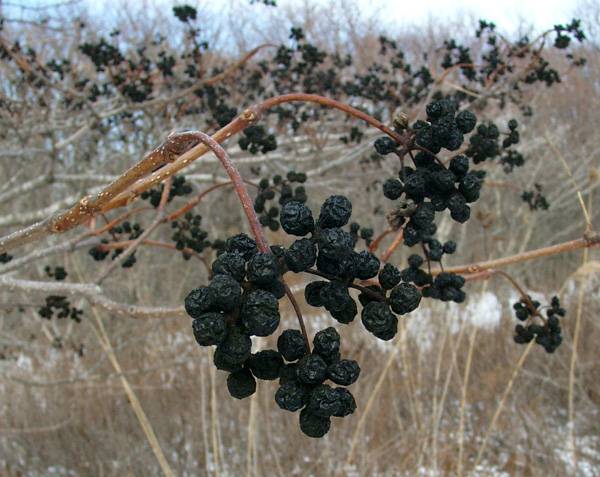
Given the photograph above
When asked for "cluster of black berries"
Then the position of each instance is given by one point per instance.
(133, 231)
(59, 307)
(444, 128)
(485, 145)
(5, 257)
(256, 139)
(241, 301)
(535, 198)
(189, 235)
(302, 380)
(332, 249)
(58, 273)
(549, 334)
(281, 191)
(179, 187)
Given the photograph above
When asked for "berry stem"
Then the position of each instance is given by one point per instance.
(591, 240)
(247, 205)
(367, 291)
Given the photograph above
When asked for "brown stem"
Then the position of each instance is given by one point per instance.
(393, 246)
(247, 205)
(375, 243)
(592, 240)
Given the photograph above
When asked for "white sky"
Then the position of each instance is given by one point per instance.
(507, 14)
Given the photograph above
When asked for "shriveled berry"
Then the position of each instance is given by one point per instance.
(346, 314)
(466, 120)
(235, 348)
(312, 425)
(260, 313)
(385, 145)
(346, 403)
(226, 292)
(241, 384)
(230, 263)
(199, 301)
(292, 345)
(301, 255)
(296, 219)
(379, 320)
(335, 243)
(335, 212)
(404, 298)
(324, 401)
(334, 296)
(392, 189)
(344, 372)
(367, 265)
(312, 293)
(265, 364)
(242, 244)
(263, 269)
(209, 329)
(291, 396)
(389, 276)
(312, 369)
(326, 344)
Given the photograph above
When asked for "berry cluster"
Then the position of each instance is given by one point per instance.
(60, 307)
(535, 199)
(364, 233)
(189, 235)
(179, 187)
(281, 191)
(133, 231)
(549, 333)
(302, 380)
(485, 144)
(59, 273)
(256, 139)
(443, 128)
